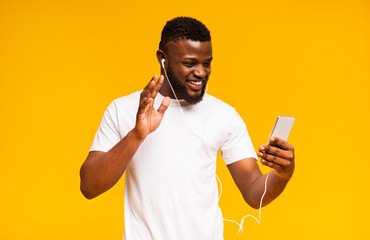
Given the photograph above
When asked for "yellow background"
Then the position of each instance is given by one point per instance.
(63, 62)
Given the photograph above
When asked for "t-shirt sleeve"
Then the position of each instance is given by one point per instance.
(238, 144)
(108, 132)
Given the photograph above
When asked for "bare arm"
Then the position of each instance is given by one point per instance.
(102, 170)
(250, 180)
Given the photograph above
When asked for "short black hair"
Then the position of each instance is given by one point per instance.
(184, 28)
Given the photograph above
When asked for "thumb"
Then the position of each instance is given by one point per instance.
(165, 103)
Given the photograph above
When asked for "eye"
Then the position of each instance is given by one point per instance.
(207, 64)
(188, 64)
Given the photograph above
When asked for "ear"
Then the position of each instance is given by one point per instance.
(160, 56)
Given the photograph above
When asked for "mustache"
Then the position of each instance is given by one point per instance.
(195, 78)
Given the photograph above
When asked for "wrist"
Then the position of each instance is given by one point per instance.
(137, 135)
(283, 177)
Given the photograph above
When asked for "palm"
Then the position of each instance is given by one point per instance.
(148, 118)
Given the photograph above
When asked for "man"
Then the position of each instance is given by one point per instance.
(168, 147)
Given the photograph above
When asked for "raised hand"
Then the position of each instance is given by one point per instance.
(280, 157)
(148, 118)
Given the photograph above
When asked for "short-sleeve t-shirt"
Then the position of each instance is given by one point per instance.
(170, 187)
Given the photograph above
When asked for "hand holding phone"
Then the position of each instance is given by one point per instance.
(279, 154)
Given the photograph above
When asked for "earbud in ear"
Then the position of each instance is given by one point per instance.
(162, 61)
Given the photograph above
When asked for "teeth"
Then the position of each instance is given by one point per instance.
(196, 83)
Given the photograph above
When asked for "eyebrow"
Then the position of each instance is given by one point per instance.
(195, 59)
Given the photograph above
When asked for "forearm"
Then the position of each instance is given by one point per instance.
(101, 172)
(255, 189)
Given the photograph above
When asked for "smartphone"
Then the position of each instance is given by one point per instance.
(282, 127)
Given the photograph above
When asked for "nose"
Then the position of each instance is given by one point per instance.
(200, 72)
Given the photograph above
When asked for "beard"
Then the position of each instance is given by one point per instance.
(181, 91)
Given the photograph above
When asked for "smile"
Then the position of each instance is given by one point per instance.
(196, 83)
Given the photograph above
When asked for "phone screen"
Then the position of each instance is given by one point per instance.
(282, 127)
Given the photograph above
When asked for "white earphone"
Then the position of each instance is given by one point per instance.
(162, 61)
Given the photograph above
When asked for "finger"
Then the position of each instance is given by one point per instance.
(165, 103)
(157, 87)
(274, 159)
(151, 83)
(145, 93)
(143, 106)
(272, 165)
(276, 151)
(281, 143)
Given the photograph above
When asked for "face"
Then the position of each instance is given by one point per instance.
(188, 69)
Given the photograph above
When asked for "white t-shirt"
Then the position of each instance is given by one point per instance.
(171, 188)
